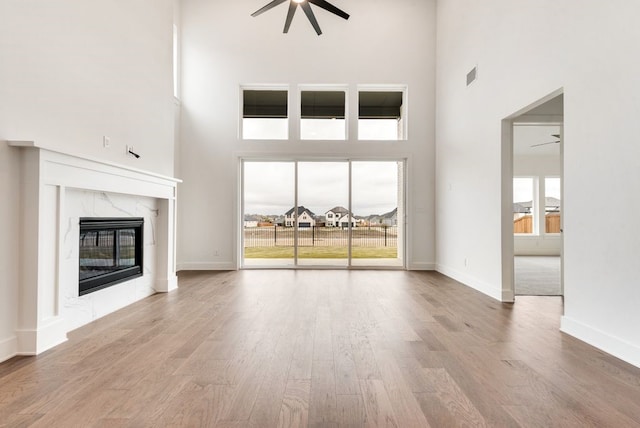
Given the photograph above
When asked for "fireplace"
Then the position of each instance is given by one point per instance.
(110, 251)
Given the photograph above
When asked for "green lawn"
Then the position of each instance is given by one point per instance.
(320, 253)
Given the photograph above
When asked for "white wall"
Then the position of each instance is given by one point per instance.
(224, 47)
(525, 50)
(74, 71)
(71, 72)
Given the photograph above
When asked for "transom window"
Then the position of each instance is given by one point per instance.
(322, 115)
(265, 114)
(380, 115)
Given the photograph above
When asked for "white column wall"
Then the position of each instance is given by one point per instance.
(9, 250)
(524, 51)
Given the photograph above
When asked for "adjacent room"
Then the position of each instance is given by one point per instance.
(319, 213)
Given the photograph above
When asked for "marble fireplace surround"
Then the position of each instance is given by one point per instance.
(58, 188)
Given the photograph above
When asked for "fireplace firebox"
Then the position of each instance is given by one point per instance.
(110, 251)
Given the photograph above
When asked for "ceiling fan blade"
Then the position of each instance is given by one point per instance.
(311, 16)
(544, 144)
(331, 8)
(292, 10)
(271, 5)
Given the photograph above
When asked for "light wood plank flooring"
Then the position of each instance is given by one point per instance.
(285, 348)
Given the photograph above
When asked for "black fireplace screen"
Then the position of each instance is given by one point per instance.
(110, 251)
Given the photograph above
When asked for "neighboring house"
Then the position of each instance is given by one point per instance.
(333, 216)
(390, 218)
(552, 205)
(386, 219)
(251, 220)
(344, 221)
(306, 218)
(521, 209)
(278, 220)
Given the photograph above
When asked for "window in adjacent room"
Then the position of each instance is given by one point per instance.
(322, 115)
(552, 205)
(265, 114)
(175, 61)
(524, 205)
(381, 115)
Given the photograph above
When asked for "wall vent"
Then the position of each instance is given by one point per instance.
(472, 75)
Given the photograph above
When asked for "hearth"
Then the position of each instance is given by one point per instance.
(110, 251)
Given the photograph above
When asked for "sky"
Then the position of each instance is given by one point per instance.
(523, 188)
(269, 187)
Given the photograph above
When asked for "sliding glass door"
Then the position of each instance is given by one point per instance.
(323, 188)
(268, 200)
(377, 198)
(323, 214)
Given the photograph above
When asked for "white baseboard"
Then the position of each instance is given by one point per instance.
(472, 282)
(508, 296)
(610, 344)
(50, 334)
(206, 266)
(166, 285)
(421, 266)
(8, 348)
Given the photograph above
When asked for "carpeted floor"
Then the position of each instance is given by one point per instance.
(537, 276)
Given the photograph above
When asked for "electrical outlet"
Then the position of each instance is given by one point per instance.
(106, 142)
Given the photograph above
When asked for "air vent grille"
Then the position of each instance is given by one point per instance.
(472, 75)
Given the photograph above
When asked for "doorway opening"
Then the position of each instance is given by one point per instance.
(532, 194)
(332, 214)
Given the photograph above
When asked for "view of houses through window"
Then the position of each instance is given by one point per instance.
(552, 204)
(344, 213)
(528, 194)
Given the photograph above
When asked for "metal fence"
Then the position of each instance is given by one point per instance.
(279, 236)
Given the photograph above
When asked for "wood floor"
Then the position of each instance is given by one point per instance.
(285, 348)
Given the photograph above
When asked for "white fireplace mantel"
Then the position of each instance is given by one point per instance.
(48, 177)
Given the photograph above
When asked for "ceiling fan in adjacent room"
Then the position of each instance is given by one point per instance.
(306, 7)
(557, 141)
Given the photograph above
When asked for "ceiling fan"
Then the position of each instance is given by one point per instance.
(557, 136)
(306, 7)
